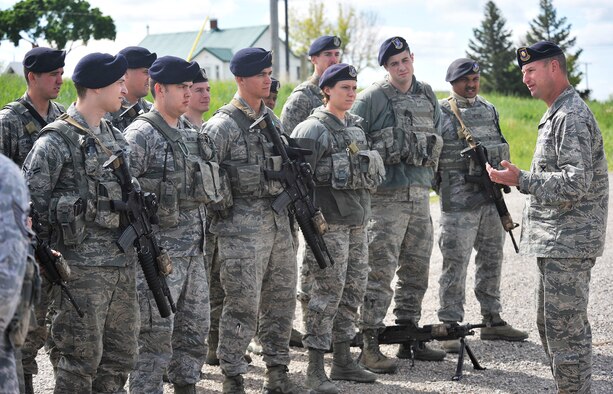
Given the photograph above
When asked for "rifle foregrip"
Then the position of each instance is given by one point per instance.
(153, 279)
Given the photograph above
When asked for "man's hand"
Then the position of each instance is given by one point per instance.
(509, 176)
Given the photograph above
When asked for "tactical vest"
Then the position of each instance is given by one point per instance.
(89, 203)
(250, 158)
(192, 179)
(349, 164)
(30, 125)
(18, 327)
(482, 120)
(418, 143)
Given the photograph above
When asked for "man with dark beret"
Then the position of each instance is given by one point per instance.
(137, 82)
(20, 124)
(324, 52)
(71, 191)
(565, 216)
(469, 218)
(256, 257)
(271, 100)
(199, 102)
(172, 161)
(402, 120)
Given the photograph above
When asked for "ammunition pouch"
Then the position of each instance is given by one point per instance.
(105, 216)
(424, 149)
(168, 204)
(249, 180)
(69, 215)
(383, 141)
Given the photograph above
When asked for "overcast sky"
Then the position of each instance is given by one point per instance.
(436, 30)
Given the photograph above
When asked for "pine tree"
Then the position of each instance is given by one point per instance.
(495, 53)
(547, 26)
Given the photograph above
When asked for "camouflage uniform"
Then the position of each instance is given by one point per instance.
(564, 225)
(18, 131)
(176, 342)
(14, 250)
(338, 291)
(404, 128)
(469, 218)
(257, 268)
(71, 191)
(123, 122)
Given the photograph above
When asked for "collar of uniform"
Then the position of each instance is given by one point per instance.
(76, 115)
(559, 101)
(412, 89)
(315, 79)
(253, 112)
(464, 101)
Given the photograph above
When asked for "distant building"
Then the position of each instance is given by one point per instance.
(216, 47)
(14, 68)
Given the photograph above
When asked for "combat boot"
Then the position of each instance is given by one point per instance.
(186, 389)
(501, 330)
(371, 358)
(295, 339)
(278, 382)
(420, 352)
(451, 346)
(211, 356)
(28, 384)
(344, 366)
(316, 378)
(233, 384)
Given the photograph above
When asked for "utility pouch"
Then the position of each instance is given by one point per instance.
(274, 163)
(245, 178)
(70, 216)
(424, 149)
(341, 171)
(107, 192)
(168, 204)
(371, 168)
(383, 141)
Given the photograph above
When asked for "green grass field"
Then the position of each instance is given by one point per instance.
(519, 117)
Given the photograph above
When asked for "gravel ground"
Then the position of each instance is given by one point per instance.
(511, 367)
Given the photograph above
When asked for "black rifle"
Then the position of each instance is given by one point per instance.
(139, 212)
(49, 262)
(297, 178)
(407, 332)
(478, 154)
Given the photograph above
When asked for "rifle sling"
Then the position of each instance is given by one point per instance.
(33, 112)
(464, 132)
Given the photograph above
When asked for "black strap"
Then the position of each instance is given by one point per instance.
(33, 112)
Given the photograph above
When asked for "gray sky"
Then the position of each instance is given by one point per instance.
(436, 30)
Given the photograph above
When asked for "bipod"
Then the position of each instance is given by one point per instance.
(471, 355)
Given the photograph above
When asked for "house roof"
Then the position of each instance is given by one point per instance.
(14, 68)
(221, 43)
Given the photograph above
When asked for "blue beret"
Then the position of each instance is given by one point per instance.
(324, 43)
(338, 72)
(42, 60)
(390, 47)
(248, 62)
(201, 76)
(460, 67)
(98, 70)
(138, 57)
(275, 85)
(538, 51)
(173, 70)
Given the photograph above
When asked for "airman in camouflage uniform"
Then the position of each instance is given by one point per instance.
(469, 218)
(199, 102)
(173, 163)
(20, 124)
(257, 262)
(14, 250)
(565, 216)
(324, 52)
(402, 120)
(72, 191)
(137, 82)
(345, 171)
